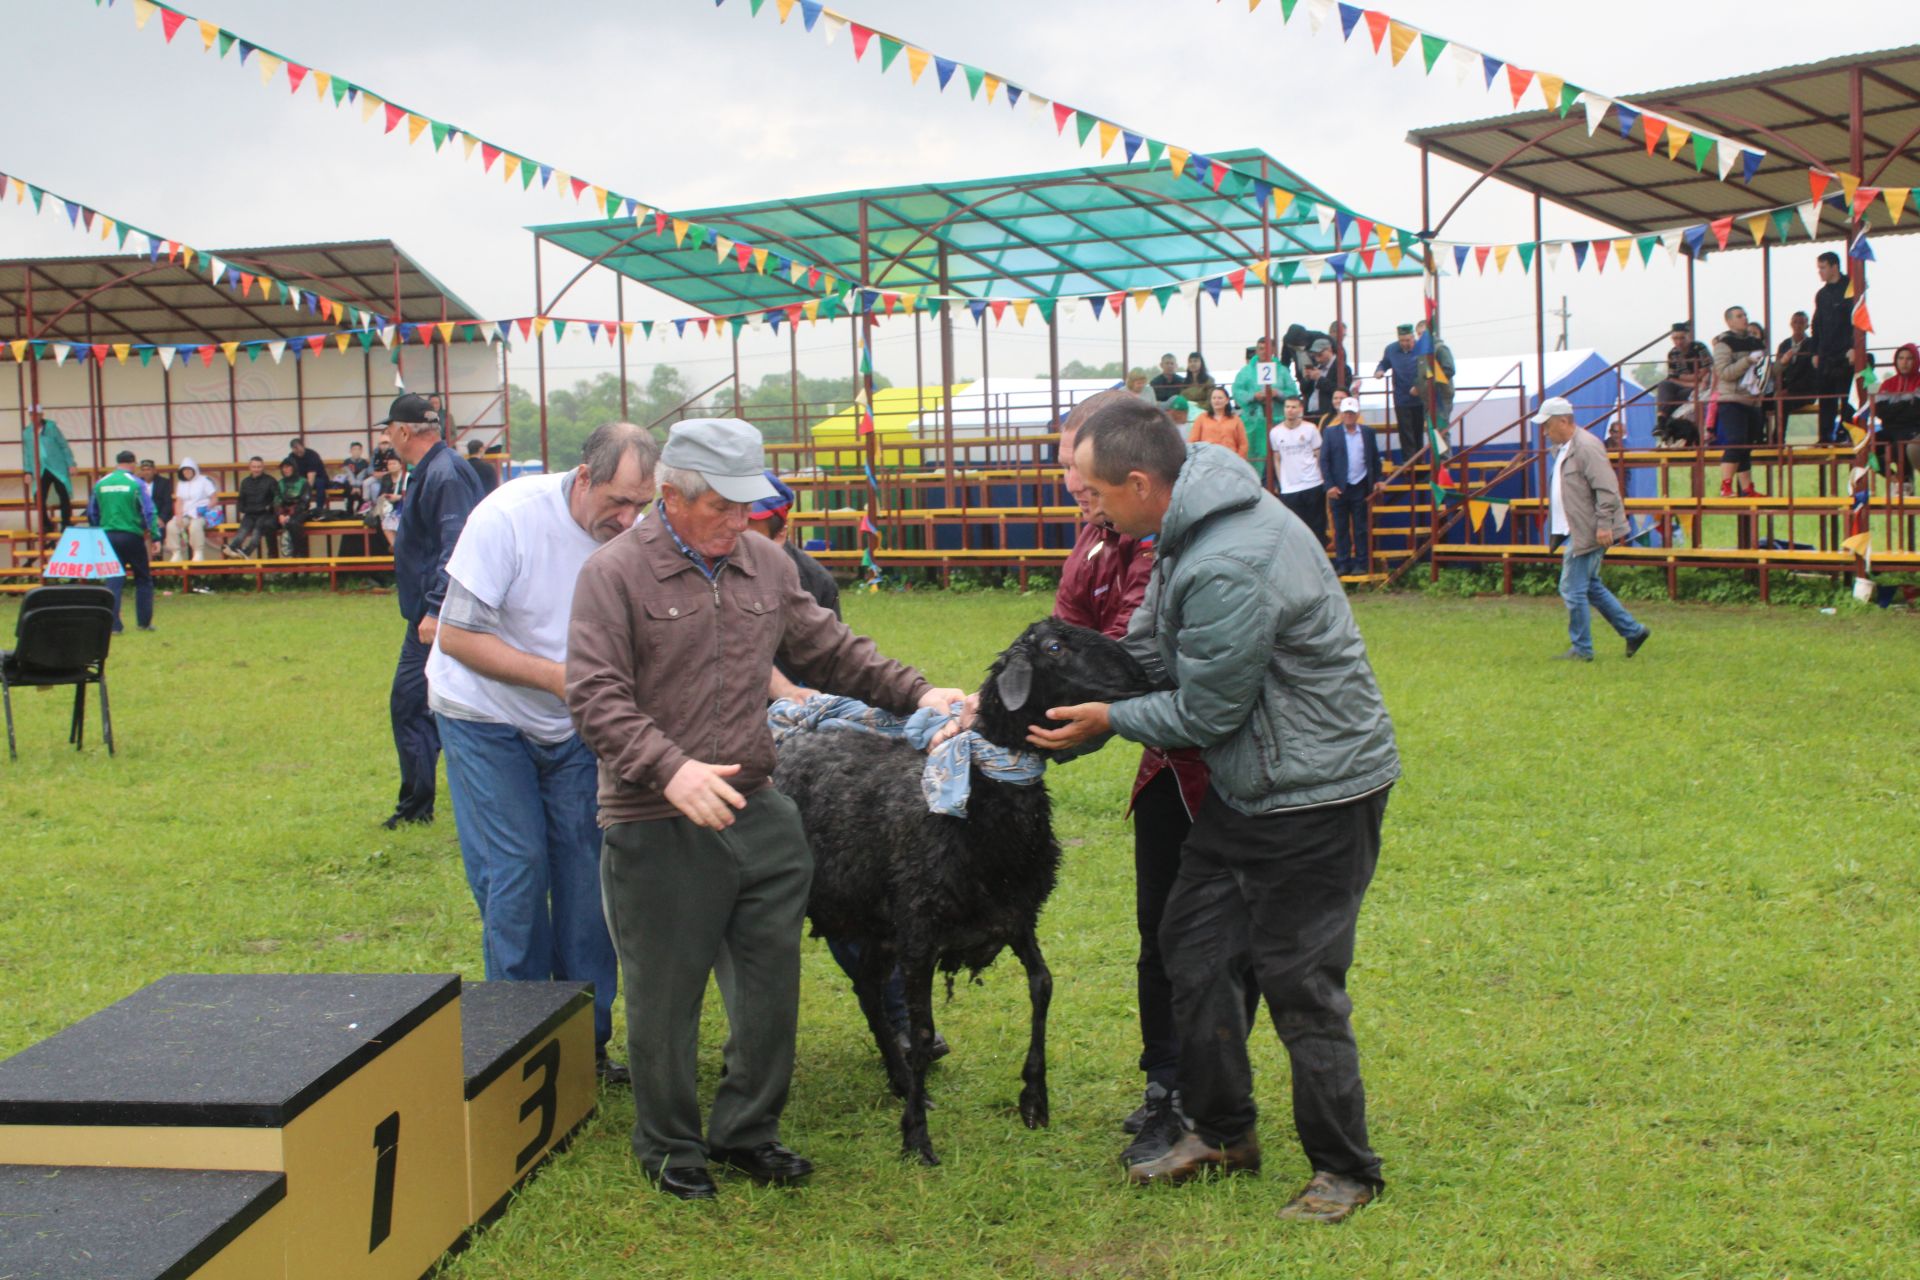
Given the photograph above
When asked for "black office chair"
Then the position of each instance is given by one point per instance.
(61, 637)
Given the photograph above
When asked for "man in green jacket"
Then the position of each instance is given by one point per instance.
(46, 456)
(1260, 388)
(122, 506)
(1267, 675)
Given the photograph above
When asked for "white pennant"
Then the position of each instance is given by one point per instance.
(832, 25)
(166, 357)
(1189, 289)
(277, 349)
(1810, 217)
(1498, 511)
(1553, 248)
(1316, 267)
(1039, 104)
(1597, 107)
(61, 351)
(1670, 241)
(1325, 213)
(215, 269)
(1318, 12)
(386, 336)
(1726, 155)
(1466, 64)
(1067, 308)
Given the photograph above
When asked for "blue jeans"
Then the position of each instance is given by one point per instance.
(1581, 588)
(525, 813)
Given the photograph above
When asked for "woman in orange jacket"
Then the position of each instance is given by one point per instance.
(1219, 424)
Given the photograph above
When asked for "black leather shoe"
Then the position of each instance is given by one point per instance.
(685, 1182)
(769, 1162)
(611, 1072)
(1633, 645)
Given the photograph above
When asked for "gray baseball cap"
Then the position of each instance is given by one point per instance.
(727, 454)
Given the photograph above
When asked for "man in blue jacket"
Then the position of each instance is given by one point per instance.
(441, 493)
(1350, 466)
(1266, 674)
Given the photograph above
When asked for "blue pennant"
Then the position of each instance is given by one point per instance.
(943, 67)
(1349, 18)
(1099, 303)
(810, 12)
(1131, 141)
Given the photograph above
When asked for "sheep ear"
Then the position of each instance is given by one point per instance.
(1015, 682)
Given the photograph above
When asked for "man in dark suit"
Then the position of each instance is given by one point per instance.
(1350, 465)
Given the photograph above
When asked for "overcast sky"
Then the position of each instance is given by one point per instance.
(683, 105)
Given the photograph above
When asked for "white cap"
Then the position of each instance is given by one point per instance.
(1349, 405)
(1553, 407)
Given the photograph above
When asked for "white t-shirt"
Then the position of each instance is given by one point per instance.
(193, 494)
(1559, 505)
(519, 555)
(1298, 452)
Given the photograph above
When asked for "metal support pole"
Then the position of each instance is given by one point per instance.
(947, 379)
(1125, 362)
(739, 407)
(540, 348)
(620, 314)
(1856, 149)
(793, 381)
(1539, 308)
(1053, 361)
(35, 418)
(864, 329)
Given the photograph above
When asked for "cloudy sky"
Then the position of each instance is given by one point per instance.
(683, 105)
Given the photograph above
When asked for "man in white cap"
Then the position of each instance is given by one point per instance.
(675, 629)
(1585, 517)
(1350, 465)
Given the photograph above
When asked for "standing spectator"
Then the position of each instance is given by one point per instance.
(1739, 368)
(1832, 338)
(1169, 382)
(1437, 370)
(193, 498)
(1350, 465)
(48, 461)
(1259, 399)
(1246, 623)
(441, 493)
(1296, 350)
(1794, 378)
(122, 507)
(1137, 387)
(1402, 364)
(1199, 381)
(1220, 425)
(675, 629)
(310, 464)
(1297, 445)
(293, 498)
(1343, 370)
(482, 468)
(1321, 379)
(522, 780)
(1896, 411)
(1586, 517)
(160, 488)
(259, 510)
(1689, 369)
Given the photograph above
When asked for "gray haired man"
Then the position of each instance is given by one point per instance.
(1585, 518)
(522, 780)
(676, 627)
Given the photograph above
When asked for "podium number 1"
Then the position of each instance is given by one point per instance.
(386, 1143)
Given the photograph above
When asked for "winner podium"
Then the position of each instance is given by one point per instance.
(326, 1126)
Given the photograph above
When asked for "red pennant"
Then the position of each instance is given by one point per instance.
(703, 322)
(488, 154)
(1115, 301)
(246, 284)
(425, 334)
(742, 252)
(1652, 127)
(100, 352)
(999, 308)
(295, 74)
(889, 301)
(1518, 78)
(1365, 228)
(1863, 198)
(394, 116)
(1366, 257)
(1480, 252)
(316, 342)
(1376, 26)
(206, 356)
(1443, 478)
(1722, 228)
(86, 216)
(578, 185)
(1602, 250)
(170, 23)
(1238, 279)
(1061, 114)
(1817, 182)
(526, 326)
(861, 35)
(794, 313)
(813, 277)
(659, 223)
(173, 250)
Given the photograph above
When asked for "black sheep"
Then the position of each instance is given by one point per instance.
(935, 892)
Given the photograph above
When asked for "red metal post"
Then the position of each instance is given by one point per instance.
(540, 348)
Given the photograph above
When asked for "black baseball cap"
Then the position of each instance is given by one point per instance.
(408, 407)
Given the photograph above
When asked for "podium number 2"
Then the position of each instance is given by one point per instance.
(544, 1099)
(386, 1143)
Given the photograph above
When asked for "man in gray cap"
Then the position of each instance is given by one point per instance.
(675, 628)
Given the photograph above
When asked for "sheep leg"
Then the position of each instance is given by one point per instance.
(869, 984)
(1033, 1095)
(914, 1140)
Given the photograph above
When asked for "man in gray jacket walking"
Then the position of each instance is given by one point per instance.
(1266, 672)
(1585, 518)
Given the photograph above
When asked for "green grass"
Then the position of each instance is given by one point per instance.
(1636, 987)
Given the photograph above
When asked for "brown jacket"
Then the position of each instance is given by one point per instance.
(664, 666)
(1588, 491)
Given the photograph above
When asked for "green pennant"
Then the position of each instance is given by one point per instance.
(440, 134)
(1783, 221)
(753, 7)
(1409, 240)
(559, 330)
(1569, 94)
(1154, 151)
(340, 88)
(1235, 183)
(366, 339)
(1047, 307)
(646, 327)
(975, 78)
(1431, 48)
(739, 323)
(889, 50)
(1288, 270)
(120, 229)
(1286, 9)
(527, 169)
(226, 42)
(1647, 245)
(37, 194)
(253, 352)
(1527, 250)
(1084, 124)
(1163, 295)
(613, 201)
(146, 356)
(830, 305)
(1702, 148)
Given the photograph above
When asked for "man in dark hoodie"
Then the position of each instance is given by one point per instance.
(293, 495)
(1832, 343)
(259, 512)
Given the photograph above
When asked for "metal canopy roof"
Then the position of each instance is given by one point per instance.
(1098, 229)
(1800, 115)
(130, 298)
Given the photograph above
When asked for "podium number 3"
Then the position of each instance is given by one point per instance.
(544, 1099)
(386, 1143)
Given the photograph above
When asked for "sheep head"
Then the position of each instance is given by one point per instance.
(1053, 664)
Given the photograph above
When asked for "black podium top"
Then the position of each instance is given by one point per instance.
(124, 1224)
(250, 1050)
(501, 1021)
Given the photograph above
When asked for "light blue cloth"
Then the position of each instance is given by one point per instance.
(946, 780)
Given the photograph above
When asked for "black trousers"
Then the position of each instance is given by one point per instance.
(1282, 892)
(1350, 551)
(416, 738)
(255, 529)
(1834, 379)
(1413, 428)
(1311, 506)
(62, 495)
(132, 550)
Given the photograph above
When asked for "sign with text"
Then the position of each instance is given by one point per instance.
(84, 555)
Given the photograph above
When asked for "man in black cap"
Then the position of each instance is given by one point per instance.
(1403, 363)
(441, 494)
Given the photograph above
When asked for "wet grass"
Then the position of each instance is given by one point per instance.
(1636, 990)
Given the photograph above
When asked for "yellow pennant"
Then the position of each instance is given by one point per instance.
(812, 308)
(1260, 268)
(599, 198)
(1140, 297)
(1108, 132)
(340, 341)
(446, 331)
(1282, 201)
(641, 214)
(562, 184)
(1850, 183)
(370, 104)
(760, 261)
(1020, 308)
(785, 7)
(1550, 87)
(626, 330)
(19, 351)
(1896, 198)
(268, 65)
(1676, 139)
(1401, 38)
(539, 325)
(1177, 158)
(142, 12)
(679, 231)
(917, 60)
(209, 32)
(511, 169)
(467, 140)
(1477, 512)
(416, 125)
(1384, 233)
(993, 87)
(721, 248)
(1394, 252)
(106, 227)
(120, 351)
(229, 349)
(1757, 227)
(322, 82)
(1500, 255)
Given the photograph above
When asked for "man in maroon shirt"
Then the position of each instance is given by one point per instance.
(1103, 583)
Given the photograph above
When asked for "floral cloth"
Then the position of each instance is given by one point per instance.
(947, 779)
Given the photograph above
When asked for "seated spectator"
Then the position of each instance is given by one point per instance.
(1689, 366)
(194, 500)
(259, 508)
(1199, 382)
(1350, 464)
(1896, 411)
(310, 465)
(1170, 382)
(1178, 409)
(294, 498)
(1220, 425)
(160, 488)
(351, 475)
(1295, 445)
(1795, 381)
(381, 493)
(489, 478)
(1137, 386)
(1739, 371)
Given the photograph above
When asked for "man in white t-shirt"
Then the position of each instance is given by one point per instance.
(523, 782)
(1295, 446)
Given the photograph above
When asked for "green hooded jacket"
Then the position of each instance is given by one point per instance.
(52, 457)
(1245, 619)
(1246, 394)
